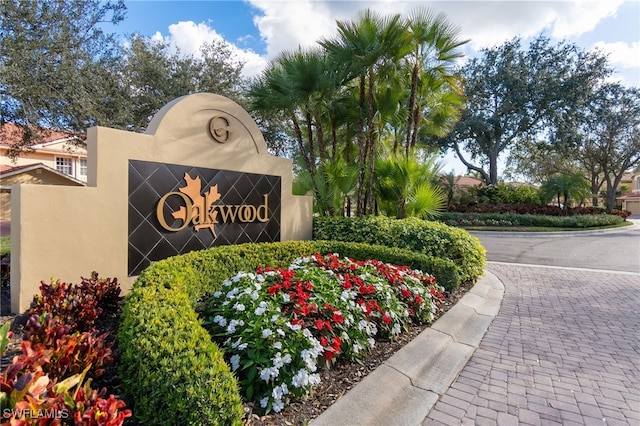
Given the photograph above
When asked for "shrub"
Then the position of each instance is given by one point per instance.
(77, 306)
(56, 357)
(507, 194)
(514, 219)
(430, 238)
(162, 343)
(169, 368)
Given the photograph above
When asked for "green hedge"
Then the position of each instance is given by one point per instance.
(431, 238)
(170, 370)
(514, 219)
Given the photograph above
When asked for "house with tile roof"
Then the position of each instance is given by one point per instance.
(57, 158)
(630, 197)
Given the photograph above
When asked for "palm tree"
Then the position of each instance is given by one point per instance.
(435, 48)
(366, 46)
(569, 186)
(406, 186)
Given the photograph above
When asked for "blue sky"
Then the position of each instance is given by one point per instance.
(260, 29)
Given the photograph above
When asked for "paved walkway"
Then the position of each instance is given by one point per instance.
(564, 349)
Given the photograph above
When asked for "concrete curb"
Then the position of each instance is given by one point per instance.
(403, 390)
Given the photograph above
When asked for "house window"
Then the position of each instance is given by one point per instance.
(64, 165)
(638, 183)
(83, 167)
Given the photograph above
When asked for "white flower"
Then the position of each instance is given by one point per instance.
(243, 346)
(264, 401)
(237, 343)
(294, 327)
(277, 345)
(286, 298)
(239, 307)
(267, 373)
(277, 406)
(279, 391)
(217, 294)
(262, 307)
(280, 331)
(235, 362)
(220, 320)
(255, 296)
(231, 294)
(266, 333)
(227, 283)
(396, 329)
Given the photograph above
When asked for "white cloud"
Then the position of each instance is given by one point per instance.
(285, 25)
(187, 37)
(624, 57)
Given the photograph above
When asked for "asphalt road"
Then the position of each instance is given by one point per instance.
(616, 250)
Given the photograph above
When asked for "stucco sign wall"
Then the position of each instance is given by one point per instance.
(199, 177)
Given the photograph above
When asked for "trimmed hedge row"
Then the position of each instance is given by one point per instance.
(171, 371)
(431, 238)
(507, 219)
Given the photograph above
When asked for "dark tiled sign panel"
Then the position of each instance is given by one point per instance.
(241, 208)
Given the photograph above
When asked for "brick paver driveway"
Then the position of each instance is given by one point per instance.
(564, 349)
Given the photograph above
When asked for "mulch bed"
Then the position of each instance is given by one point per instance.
(334, 384)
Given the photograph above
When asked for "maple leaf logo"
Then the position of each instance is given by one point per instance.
(202, 214)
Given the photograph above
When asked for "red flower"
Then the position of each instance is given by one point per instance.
(418, 299)
(405, 292)
(386, 319)
(337, 342)
(323, 341)
(274, 289)
(338, 318)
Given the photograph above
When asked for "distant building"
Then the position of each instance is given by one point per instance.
(630, 198)
(57, 159)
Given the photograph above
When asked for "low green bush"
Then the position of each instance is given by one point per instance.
(433, 239)
(514, 219)
(171, 371)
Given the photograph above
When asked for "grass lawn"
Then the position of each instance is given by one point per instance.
(5, 245)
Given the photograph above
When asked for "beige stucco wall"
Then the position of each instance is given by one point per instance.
(66, 232)
(33, 177)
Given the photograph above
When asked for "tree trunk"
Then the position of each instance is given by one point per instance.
(411, 106)
(493, 168)
(371, 144)
(360, 200)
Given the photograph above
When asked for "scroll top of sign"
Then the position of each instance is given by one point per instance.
(219, 129)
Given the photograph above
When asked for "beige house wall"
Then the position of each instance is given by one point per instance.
(5, 204)
(47, 155)
(68, 232)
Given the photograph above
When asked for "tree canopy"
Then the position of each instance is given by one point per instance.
(515, 95)
(60, 70)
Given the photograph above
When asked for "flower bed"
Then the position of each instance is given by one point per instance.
(170, 369)
(276, 325)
